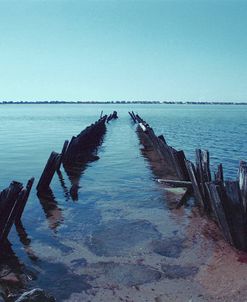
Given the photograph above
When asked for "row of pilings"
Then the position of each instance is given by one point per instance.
(74, 156)
(225, 201)
(12, 203)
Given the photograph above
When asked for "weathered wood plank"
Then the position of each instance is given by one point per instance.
(132, 116)
(24, 201)
(242, 176)
(235, 213)
(176, 183)
(185, 197)
(12, 215)
(63, 153)
(48, 173)
(219, 174)
(203, 175)
(8, 202)
(85, 140)
(193, 178)
(218, 209)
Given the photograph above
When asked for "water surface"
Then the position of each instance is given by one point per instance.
(122, 215)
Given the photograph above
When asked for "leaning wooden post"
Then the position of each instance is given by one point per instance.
(203, 175)
(215, 195)
(8, 198)
(219, 174)
(24, 201)
(63, 154)
(236, 215)
(132, 115)
(193, 178)
(242, 176)
(13, 213)
(48, 173)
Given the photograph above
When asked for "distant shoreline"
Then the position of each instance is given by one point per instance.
(119, 103)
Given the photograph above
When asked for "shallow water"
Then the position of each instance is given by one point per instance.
(121, 214)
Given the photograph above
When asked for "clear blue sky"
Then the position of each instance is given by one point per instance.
(131, 50)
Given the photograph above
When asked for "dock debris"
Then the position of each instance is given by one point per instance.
(223, 201)
(12, 203)
(79, 147)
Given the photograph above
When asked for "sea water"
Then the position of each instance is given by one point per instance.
(120, 209)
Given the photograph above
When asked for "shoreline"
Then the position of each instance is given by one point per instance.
(117, 103)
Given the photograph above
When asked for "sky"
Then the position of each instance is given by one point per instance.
(76, 50)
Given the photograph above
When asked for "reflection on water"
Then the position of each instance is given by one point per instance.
(63, 185)
(76, 168)
(52, 211)
(25, 240)
(121, 228)
(13, 273)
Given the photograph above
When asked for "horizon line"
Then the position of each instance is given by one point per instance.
(129, 102)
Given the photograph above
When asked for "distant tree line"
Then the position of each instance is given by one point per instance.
(125, 102)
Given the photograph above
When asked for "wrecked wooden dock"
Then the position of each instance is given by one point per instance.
(12, 203)
(223, 201)
(79, 148)
(168, 164)
(74, 158)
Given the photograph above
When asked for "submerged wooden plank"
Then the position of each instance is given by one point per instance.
(175, 196)
(175, 183)
(185, 197)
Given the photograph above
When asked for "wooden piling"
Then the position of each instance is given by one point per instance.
(132, 116)
(242, 178)
(48, 173)
(219, 175)
(215, 195)
(203, 175)
(63, 154)
(225, 202)
(194, 180)
(8, 206)
(235, 213)
(85, 140)
(24, 200)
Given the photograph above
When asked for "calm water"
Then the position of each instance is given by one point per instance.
(117, 193)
